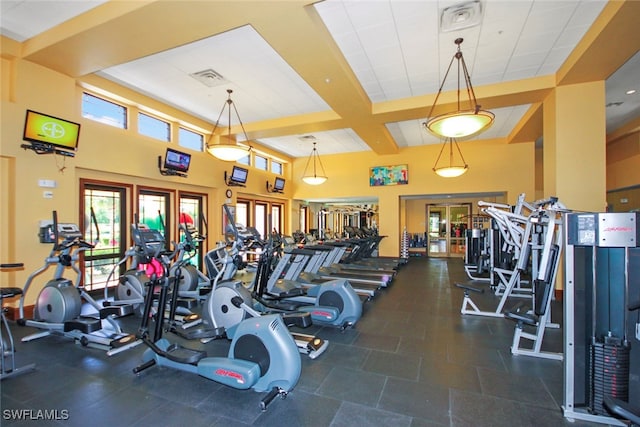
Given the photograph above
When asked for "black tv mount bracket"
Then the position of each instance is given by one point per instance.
(231, 183)
(169, 172)
(271, 189)
(47, 149)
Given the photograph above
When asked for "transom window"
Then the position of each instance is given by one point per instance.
(154, 127)
(103, 111)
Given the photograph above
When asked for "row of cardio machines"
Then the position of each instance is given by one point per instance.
(314, 262)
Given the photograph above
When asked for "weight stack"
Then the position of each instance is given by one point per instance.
(610, 362)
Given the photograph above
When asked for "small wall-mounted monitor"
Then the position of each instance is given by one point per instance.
(278, 184)
(238, 176)
(177, 161)
(48, 133)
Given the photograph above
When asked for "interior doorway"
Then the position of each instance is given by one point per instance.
(446, 227)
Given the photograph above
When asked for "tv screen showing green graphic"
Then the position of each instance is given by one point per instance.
(47, 130)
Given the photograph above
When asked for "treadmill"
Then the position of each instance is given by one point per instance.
(295, 262)
(370, 242)
(341, 257)
(330, 268)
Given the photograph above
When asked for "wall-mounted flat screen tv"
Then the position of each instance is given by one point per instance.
(177, 160)
(42, 129)
(239, 175)
(278, 185)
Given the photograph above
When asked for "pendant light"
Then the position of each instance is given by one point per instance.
(467, 120)
(455, 167)
(229, 151)
(311, 176)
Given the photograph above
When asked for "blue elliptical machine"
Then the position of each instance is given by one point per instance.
(263, 355)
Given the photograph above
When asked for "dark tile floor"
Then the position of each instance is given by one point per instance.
(412, 360)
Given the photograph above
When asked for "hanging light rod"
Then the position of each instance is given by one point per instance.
(463, 122)
(230, 151)
(312, 177)
(453, 169)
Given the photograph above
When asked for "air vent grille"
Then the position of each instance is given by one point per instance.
(307, 138)
(460, 16)
(209, 77)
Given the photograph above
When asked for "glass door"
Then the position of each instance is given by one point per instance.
(446, 226)
(104, 224)
(437, 231)
(459, 216)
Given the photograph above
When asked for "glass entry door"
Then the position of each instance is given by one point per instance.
(446, 227)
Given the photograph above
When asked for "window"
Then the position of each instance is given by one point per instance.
(242, 213)
(104, 111)
(190, 207)
(107, 233)
(190, 139)
(276, 218)
(155, 128)
(245, 160)
(260, 162)
(304, 212)
(276, 167)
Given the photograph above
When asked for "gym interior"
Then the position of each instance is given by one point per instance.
(507, 295)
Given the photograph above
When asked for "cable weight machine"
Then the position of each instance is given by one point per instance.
(601, 336)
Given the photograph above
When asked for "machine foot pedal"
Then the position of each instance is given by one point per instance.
(188, 303)
(123, 341)
(116, 311)
(86, 325)
(181, 354)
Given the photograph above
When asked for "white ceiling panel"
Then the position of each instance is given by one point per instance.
(23, 19)
(275, 91)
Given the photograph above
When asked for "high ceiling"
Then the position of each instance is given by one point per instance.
(352, 75)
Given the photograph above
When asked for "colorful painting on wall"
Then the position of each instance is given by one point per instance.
(388, 175)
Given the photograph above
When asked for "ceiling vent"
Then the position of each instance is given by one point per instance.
(307, 138)
(209, 78)
(461, 16)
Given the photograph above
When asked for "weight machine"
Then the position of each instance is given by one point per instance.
(528, 238)
(602, 286)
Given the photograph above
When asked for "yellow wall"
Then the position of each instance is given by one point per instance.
(494, 167)
(623, 162)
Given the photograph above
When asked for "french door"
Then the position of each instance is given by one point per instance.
(446, 229)
(104, 222)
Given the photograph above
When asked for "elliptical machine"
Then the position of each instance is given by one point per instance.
(263, 355)
(193, 283)
(130, 289)
(59, 304)
(332, 303)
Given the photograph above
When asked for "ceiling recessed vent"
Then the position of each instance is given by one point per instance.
(307, 138)
(209, 78)
(461, 16)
